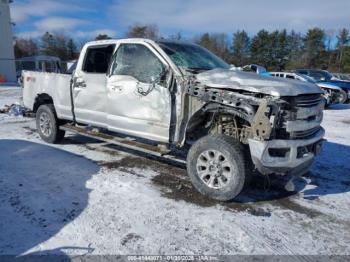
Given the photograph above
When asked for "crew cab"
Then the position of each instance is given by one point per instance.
(182, 98)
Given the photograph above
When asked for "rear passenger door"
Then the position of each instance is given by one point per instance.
(89, 85)
(139, 100)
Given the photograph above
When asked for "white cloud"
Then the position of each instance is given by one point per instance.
(87, 35)
(23, 10)
(94, 33)
(228, 15)
(29, 34)
(58, 23)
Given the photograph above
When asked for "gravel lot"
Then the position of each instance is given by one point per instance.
(84, 196)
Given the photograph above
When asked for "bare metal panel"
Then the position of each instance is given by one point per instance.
(90, 98)
(132, 113)
(239, 80)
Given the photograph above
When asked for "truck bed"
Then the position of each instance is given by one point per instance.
(55, 85)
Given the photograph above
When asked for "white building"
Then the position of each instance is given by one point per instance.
(7, 57)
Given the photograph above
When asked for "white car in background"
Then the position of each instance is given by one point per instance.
(332, 93)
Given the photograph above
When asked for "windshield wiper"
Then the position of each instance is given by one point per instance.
(197, 69)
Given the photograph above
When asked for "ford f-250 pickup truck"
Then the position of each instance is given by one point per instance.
(182, 97)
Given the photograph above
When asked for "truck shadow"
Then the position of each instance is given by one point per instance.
(330, 174)
(42, 190)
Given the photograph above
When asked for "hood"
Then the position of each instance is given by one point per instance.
(328, 85)
(238, 80)
(340, 83)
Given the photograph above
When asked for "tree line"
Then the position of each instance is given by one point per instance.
(276, 50)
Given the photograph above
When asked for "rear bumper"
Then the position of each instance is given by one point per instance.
(286, 156)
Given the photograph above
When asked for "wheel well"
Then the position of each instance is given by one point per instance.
(204, 123)
(42, 99)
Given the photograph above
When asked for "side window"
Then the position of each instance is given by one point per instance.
(317, 76)
(97, 59)
(138, 61)
(40, 65)
(49, 67)
(290, 76)
(28, 65)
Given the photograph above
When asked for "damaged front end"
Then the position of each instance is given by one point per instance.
(283, 133)
(296, 139)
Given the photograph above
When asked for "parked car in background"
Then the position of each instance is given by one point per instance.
(260, 70)
(345, 77)
(40, 63)
(332, 93)
(322, 76)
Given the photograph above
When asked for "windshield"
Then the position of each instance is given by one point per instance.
(307, 78)
(192, 57)
(320, 75)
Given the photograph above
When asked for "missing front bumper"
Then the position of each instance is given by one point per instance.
(286, 156)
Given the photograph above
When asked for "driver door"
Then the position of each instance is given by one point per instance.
(138, 100)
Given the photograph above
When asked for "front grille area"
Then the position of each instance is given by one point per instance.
(300, 117)
(305, 134)
(308, 100)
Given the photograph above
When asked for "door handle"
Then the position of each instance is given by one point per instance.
(117, 88)
(79, 83)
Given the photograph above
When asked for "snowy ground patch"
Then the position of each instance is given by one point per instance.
(84, 197)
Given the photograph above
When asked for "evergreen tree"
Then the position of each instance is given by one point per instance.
(102, 37)
(343, 41)
(217, 43)
(25, 47)
(282, 50)
(260, 48)
(240, 48)
(143, 31)
(295, 47)
(48, 44)
(71, 50)
(314, 42)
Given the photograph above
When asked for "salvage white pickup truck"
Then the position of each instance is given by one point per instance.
(177, 96)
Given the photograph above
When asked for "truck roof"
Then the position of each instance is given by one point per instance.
(134, 40)
(115, 41)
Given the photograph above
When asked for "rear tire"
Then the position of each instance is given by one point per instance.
(47, 124)
(216, 166)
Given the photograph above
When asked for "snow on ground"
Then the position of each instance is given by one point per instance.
(83, 196)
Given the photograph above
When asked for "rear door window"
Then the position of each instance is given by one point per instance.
(28, 65)
(97, 59)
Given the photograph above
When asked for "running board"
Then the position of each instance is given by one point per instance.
(122, 142)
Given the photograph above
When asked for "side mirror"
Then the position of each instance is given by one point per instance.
(161, 78)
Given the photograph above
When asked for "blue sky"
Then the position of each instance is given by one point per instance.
(85, 19)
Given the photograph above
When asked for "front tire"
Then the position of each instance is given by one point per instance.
(47, 124)
(216, 167)
(342, 97)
